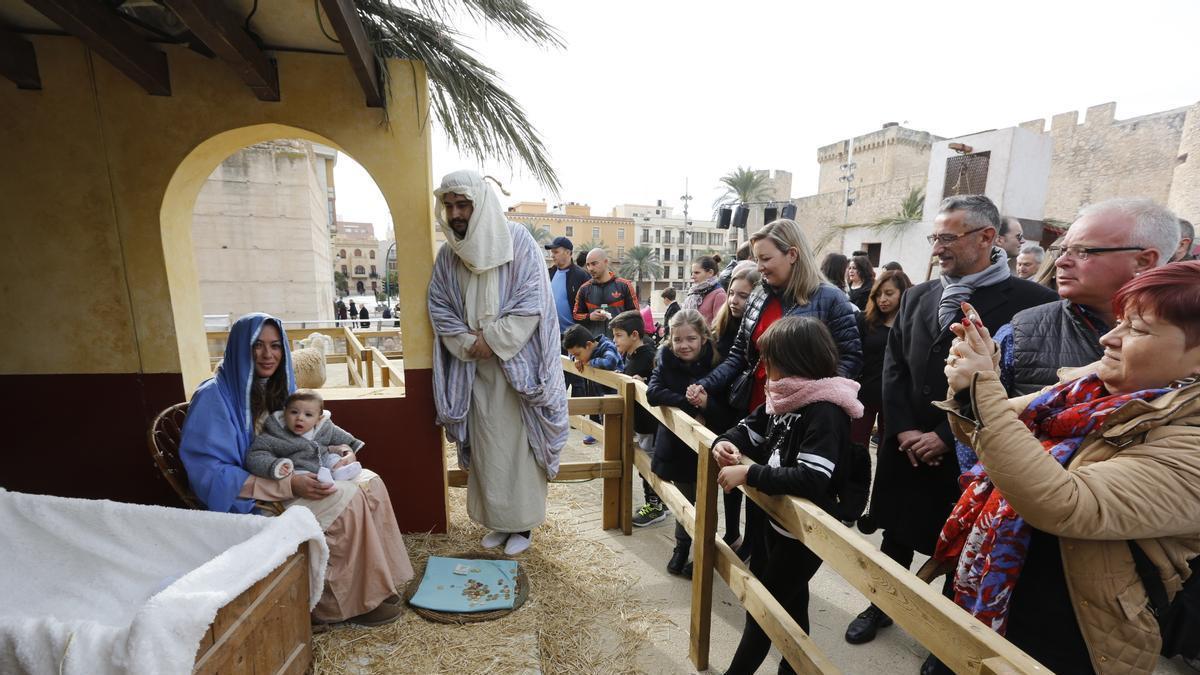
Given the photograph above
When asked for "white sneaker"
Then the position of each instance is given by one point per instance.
(494, 539)
(517, 544)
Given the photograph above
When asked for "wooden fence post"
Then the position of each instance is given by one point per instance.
(627, 392)
(704, 551)
(614, 427)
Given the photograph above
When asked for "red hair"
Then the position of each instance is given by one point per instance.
(1170, 293)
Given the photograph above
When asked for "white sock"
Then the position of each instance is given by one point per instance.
(494, 539)
(517, 544)
(347, 472)
(324, 476)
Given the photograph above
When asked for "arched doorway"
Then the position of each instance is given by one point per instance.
(361, 289)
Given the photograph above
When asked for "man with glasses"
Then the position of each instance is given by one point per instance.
(1010, 237)
(1109, 243)
(916, 480)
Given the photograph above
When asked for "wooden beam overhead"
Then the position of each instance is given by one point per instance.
(350, 32)
(18, 61)
(222, 32)
(108, 35)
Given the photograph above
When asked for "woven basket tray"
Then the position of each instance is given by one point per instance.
(522, 593)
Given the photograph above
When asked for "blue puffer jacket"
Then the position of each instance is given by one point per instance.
(828, 304)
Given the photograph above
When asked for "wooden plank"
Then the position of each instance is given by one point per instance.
(571, 471)
(627, 431)
(18, 60)
(613, 436)
(343, 17)
(221, 31)
(368, 364)
(595, 405)
(255, 618)
(801, 652)
(586, 425)
(109, 36)
(785, 633)
(960, 640)
(702, 556)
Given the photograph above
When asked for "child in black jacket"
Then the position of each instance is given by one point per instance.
(689, 357)
(799, 440)
(629, 334)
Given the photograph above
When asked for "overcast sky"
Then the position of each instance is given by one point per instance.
(649, 93)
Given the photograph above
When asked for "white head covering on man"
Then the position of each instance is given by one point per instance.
(488, 243)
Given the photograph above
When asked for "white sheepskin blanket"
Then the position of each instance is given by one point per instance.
(101, 587)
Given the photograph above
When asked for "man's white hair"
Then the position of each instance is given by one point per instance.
(1154, 226)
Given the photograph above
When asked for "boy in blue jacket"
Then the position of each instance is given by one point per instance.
(596, 351)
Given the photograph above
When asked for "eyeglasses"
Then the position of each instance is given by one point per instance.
(1082, 252)
(951, 238)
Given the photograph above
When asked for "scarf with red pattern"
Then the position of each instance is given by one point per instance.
(989, 539)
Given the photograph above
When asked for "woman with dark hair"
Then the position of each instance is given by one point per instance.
(875, 325)
(833, 267)
(706, 294)
(798, 440)
(861, 278)
(1075, 483)
(367, 560)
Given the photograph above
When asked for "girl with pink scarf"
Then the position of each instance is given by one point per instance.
(799, 439)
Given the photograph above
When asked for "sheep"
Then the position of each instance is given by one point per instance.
(309, 360)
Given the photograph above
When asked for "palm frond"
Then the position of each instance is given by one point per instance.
(641, 263)
(514, 17)
(744, 185)
(479, 117)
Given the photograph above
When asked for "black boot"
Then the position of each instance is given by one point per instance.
(678, 560)
(934, 666)
(864, 626)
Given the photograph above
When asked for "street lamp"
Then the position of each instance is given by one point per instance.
(389, 261)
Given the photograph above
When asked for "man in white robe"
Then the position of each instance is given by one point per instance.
(498, 384)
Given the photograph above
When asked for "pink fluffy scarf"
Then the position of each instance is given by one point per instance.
(792, 393)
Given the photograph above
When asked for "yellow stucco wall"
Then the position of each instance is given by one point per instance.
(100, 180)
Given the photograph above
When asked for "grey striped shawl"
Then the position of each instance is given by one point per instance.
(535, 372)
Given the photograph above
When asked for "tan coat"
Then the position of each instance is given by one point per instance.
(1137, 477)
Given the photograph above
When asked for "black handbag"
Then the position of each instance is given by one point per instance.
(1179, 620)
(739, 391)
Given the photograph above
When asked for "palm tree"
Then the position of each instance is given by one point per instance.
(744, 185)
(479, 117)
(911, 210)
(641, 263)
(589, 245)
(540, 234)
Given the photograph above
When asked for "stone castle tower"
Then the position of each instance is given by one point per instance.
(1184, 199)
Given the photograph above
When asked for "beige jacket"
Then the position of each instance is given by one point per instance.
(1137, 477)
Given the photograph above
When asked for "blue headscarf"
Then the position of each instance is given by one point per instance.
(218, 430)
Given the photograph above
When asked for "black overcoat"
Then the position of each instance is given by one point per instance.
(913, 503)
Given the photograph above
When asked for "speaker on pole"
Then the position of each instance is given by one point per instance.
(769, 214)
(723, 218)
(740, 216)
(789, 211)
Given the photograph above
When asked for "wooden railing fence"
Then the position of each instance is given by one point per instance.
(958, 639)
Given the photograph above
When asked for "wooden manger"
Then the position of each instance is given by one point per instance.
(264, 630)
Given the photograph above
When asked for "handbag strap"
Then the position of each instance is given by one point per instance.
(1151, 581)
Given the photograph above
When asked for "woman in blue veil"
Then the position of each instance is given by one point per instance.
(367, 558)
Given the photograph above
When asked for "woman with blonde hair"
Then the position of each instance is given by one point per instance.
(791, 286)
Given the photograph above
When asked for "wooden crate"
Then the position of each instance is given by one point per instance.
(264, 630)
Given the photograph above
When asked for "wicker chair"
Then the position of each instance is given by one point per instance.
(164, 435)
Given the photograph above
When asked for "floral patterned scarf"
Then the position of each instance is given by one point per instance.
(989, 539)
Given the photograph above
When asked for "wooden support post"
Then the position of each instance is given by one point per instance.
(703, 551)
(628, 399)
(343, 17)
(221, 31)
(613, 435)
(18, 61)
(102, 30)
(369, 364)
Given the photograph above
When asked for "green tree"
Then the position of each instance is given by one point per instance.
(911, 209)
(744, 185)
(540, 234)
(341, 283)
(641, 263)
(589, 245)
(479, 117)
